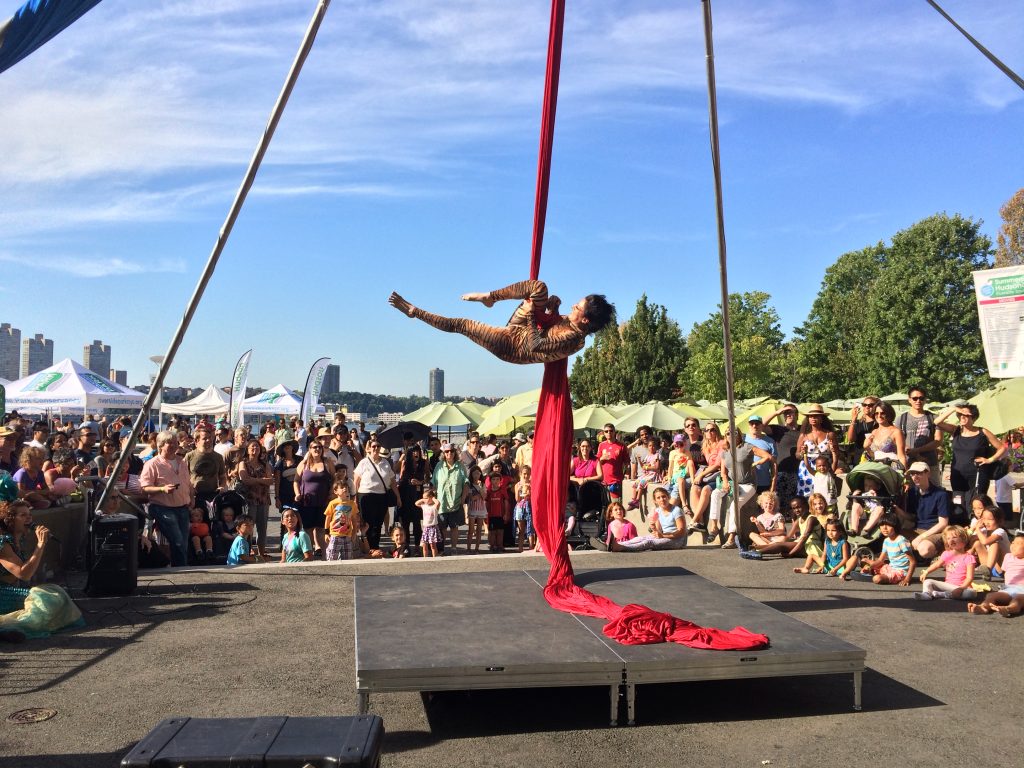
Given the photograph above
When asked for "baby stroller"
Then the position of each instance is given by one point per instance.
(222, 500)
(590, 505)
(889, 496)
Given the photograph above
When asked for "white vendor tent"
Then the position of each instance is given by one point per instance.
(69, 386)
(211, 401)
(275, 401)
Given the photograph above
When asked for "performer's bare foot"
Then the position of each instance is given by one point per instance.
(979, 608)
(401, 304)
(483, 298)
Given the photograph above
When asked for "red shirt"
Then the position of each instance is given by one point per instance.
(497, 495)
(613, 458)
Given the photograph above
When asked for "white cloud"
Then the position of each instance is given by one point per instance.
(141, 105)
(81, 266)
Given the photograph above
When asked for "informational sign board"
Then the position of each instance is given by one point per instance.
(1000, 296)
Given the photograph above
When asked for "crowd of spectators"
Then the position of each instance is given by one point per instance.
(341, 494)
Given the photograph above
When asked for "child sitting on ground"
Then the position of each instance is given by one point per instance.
(770, 525)
(399, 540)
(619, 528)
(993, 543)
(202, 541)
(1008, 601)
(897, 562)
(838, 559)
(431, 532)
(339, 520)
(959, 566)
(810, 540)
(241, 550)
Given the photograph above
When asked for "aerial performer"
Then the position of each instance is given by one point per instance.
(536, 332)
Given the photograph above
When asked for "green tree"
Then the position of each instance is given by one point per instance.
(638, 361)
(825, 361)
(595, 373)
(757, 343)
(653, 354)
(1010, 239)
(920, 318)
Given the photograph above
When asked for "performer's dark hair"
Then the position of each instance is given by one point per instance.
(599, 312)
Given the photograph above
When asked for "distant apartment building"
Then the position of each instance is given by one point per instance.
(96, 357)
(332, 380)
(10, 352)
(37, 354)
(386, 419)
(436, 389)
(119, 377)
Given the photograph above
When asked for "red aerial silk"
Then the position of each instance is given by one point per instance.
(630, 624)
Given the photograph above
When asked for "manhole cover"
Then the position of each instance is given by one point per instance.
(34, 715)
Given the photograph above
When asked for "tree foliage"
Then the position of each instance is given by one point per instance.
(825, 361)
(920, 316)
(1010, 238)
(639, 361)
(757, 350)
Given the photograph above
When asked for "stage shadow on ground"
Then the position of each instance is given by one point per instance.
(111, 624)
(95, 760)
(470, 714)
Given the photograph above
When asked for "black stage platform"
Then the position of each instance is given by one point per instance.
(464, 631)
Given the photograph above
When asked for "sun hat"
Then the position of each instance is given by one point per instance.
(679, 437)
(755, 419)
(447, 447)
(918, 466)
(815, 410)
(519, 436)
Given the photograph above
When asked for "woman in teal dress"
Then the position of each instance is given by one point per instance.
(28, 611)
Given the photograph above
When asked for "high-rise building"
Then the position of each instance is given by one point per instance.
(119, 377)
(436, 391)
(96, 357)
(37, 354)
(332, 380)
(10, 352)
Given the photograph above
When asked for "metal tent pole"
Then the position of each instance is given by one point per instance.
(716, 165)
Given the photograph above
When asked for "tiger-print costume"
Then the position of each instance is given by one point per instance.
(520, 341)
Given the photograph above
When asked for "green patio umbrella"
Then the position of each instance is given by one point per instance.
(592, 417)
(510, 414)
(1001, 408)
(441, 415)
(654, 414)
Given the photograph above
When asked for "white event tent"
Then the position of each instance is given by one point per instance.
(69, 386)
(211, 401)
(276, 401)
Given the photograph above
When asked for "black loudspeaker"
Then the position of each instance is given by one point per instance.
(114, 555)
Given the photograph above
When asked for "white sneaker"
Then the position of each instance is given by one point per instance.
(922, 595)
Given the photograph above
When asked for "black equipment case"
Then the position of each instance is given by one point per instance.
(260, 742)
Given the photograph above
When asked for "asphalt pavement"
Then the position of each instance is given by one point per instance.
(942, 687)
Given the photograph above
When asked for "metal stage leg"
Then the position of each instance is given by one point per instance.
(858, 678)
(363, 702)
(613, 695)
(631, 703)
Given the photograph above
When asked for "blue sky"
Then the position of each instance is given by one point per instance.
(407, 158)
